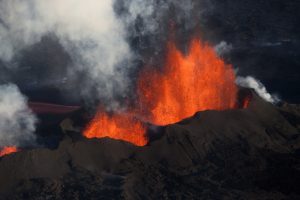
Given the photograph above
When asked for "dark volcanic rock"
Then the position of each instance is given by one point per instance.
(252, 153)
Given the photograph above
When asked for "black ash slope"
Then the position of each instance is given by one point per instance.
(235, 154)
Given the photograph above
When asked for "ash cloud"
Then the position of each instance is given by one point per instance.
(88, 30)
(109, 40)
(106, 40)
(17, 122)
(251, 82)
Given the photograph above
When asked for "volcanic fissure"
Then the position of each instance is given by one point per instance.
(197, 81)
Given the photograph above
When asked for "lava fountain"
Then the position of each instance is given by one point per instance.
(189, 83)
(8, 150)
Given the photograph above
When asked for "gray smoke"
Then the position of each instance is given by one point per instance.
(103, 38)
(88, 30)
(17, 122)
(251, 82)
(98, 36)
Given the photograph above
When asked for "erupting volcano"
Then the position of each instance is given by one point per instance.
(188, 83)
(133, 99)
(8, 150)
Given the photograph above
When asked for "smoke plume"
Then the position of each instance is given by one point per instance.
(17, 122)
(106, 40)
(88, 30)
(251, 82)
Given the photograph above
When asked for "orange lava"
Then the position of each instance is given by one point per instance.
(188, 83)
(117, 126)
(8, 150)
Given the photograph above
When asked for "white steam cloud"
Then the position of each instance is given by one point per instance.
(93, 34)
(88, 30)
(250, 82)
(17, 122)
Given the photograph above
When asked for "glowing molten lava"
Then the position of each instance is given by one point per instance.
(117, 126)
(189, 83)
(8, 150)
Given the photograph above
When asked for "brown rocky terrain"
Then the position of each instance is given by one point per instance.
(251, 153)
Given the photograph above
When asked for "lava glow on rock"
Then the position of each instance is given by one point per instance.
(187, 84)
(8, 150)
(118, 126)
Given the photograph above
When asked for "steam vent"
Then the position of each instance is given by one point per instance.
(132, 99)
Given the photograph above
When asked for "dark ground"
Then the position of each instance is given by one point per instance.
(251, 153)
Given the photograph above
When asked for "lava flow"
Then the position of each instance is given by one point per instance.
(189, 83)
(121, 126)
(8, 150)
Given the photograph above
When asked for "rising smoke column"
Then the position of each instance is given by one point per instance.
(88, 30)
(17, 122)
(103, 38)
